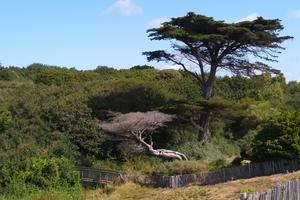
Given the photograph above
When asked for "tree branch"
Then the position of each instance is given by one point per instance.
(195, 124)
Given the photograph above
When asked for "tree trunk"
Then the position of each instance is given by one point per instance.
(168, 154)
(158, 152)
(207, 91)
(204, 132)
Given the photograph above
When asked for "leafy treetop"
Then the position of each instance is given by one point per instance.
(209, 44)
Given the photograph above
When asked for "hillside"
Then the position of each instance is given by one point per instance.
(50, 123)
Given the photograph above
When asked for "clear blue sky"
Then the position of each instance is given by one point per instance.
(85, 34)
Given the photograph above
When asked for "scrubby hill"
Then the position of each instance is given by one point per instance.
(49, 122)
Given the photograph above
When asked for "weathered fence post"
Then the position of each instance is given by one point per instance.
(243, 196)
(288, 191)
(91, 176)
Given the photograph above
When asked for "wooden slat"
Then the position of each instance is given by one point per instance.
(287, 191)
(99, 176)
(226, 174)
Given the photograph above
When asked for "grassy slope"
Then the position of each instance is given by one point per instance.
(226, 191)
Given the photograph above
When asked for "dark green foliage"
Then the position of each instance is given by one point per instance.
(45, 172)
(52, 76)
(87, 138)
(140, 97)
(219, 147)
(246, 144)
(105, 70)
(5, 118)
(208, 44)
(235, 88)
(141, 67)
(49, 113)
(8, 74)
(33, 174)
(294, 98)
(202, 46)
(279, 138)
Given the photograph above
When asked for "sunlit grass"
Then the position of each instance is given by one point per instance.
(132, 191)
(229, 190)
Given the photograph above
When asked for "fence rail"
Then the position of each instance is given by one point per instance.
(224, 175)
(90, 176)
(287, 191)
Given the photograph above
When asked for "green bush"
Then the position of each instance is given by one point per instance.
(246, 143)
(38, 174)
(279, 138)
(218, 148)
(11, 73)
(137, 96)
(42, 172)
(5, 118)
(180, 167)
(52, 172)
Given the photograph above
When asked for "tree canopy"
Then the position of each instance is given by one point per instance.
(211, 44)
(202, 45)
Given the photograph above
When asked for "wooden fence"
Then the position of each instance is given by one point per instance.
(91, 176)
(224, 175)
(287, 191)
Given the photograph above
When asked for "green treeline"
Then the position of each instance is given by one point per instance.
(49, 123)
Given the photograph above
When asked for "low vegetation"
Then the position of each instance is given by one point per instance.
(57, 127)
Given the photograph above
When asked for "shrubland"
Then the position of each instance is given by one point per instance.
(50, 124)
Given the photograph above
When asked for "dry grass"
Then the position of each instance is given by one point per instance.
(225, 191)
(131, 191)
(232, 190)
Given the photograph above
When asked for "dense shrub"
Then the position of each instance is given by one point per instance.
(48, 111)
(279, 138)
(218, 148)
(247, 142)
(49, 172)
(34, 174)
(137, 97)
(42, 172)
(5, 118)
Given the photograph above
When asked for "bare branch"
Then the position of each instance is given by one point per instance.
(139, 127)
(195, 124)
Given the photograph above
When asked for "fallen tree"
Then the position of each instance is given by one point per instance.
(139, 127)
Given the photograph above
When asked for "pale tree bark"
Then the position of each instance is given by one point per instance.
(139, 127)
(157, 152)
(204, 133)
(202, 125)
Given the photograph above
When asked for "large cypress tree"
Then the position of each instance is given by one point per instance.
(202, 45)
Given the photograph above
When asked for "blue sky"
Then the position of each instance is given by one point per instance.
(85, 34)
